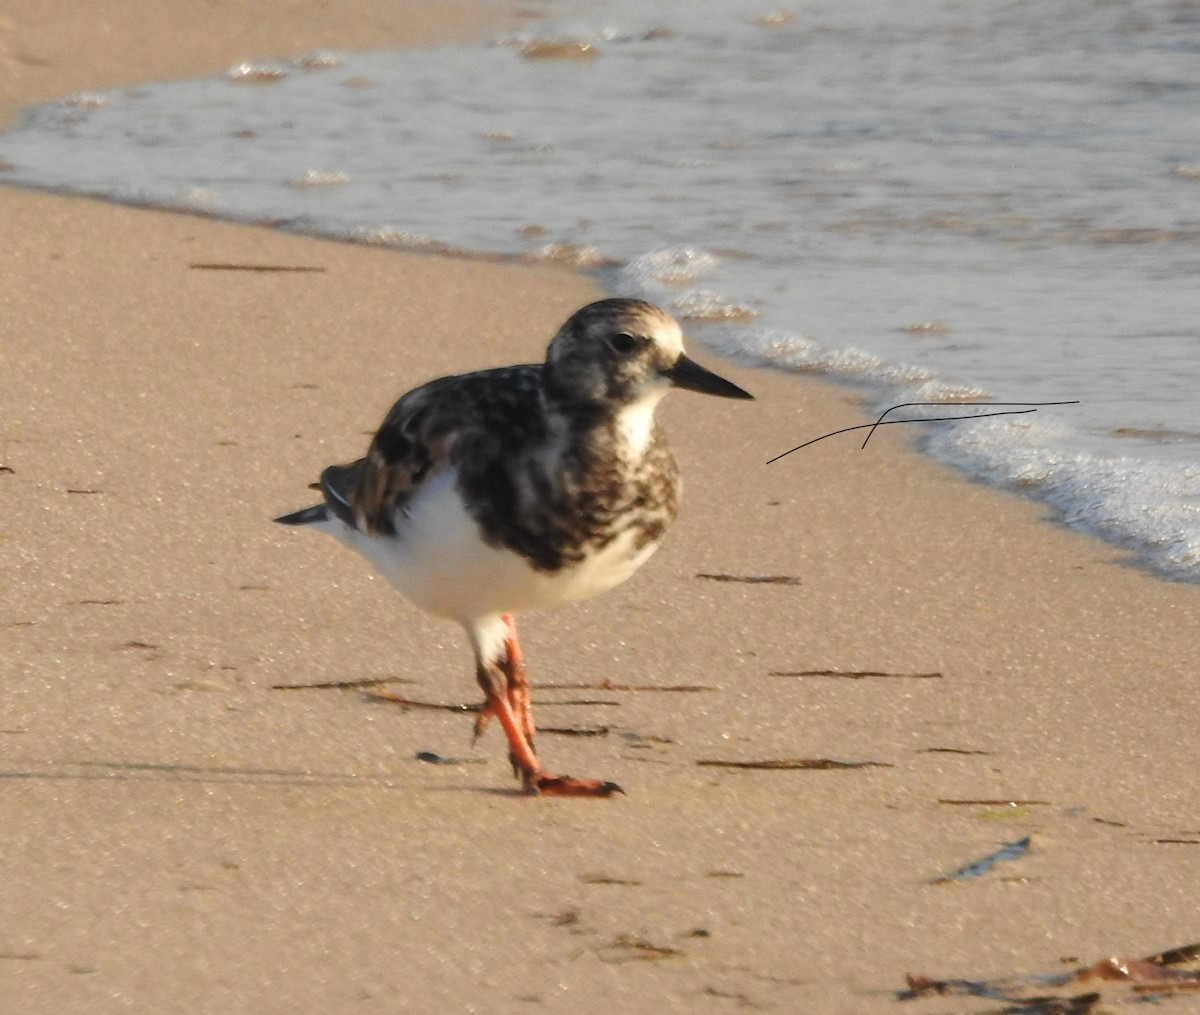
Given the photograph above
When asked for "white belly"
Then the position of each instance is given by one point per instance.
(439, 561)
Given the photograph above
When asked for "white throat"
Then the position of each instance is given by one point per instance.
(635, 423)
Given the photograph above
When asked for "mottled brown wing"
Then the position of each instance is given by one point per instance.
(413, 441)
(420, 435)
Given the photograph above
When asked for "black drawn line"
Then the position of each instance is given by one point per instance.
(1017, 412)
(881, 421)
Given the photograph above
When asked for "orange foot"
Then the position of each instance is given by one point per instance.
(542, 783)
(525, 763)
(508, 702)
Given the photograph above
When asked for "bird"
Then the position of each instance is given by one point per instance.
(491, 493)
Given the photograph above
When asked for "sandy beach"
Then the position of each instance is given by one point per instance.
(185, 830)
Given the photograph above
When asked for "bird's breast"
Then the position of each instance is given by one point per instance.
(441, 558)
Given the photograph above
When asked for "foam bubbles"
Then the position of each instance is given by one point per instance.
(1152, 508)
(249, 72)
(320, 178)
(674, 266)
(708, 305)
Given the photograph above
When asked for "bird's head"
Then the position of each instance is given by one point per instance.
(620, 352)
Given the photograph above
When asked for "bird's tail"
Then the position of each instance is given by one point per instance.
(306, 516)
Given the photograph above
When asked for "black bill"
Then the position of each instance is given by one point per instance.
(687, 373)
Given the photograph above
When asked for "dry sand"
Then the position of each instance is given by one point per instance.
(180, 837)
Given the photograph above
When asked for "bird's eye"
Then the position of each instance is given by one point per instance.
(623, 343)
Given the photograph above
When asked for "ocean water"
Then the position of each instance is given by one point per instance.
(935, 200)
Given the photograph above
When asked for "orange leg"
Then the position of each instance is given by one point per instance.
(518, 679)
(508, 699)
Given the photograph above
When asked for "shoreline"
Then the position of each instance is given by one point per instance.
(183, 837)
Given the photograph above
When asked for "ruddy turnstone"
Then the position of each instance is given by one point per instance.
(489, 493)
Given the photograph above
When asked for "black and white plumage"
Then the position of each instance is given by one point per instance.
(489, 493)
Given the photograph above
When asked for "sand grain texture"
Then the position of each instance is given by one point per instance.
(179, 837)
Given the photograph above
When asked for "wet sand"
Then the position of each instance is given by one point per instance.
(182, 836)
